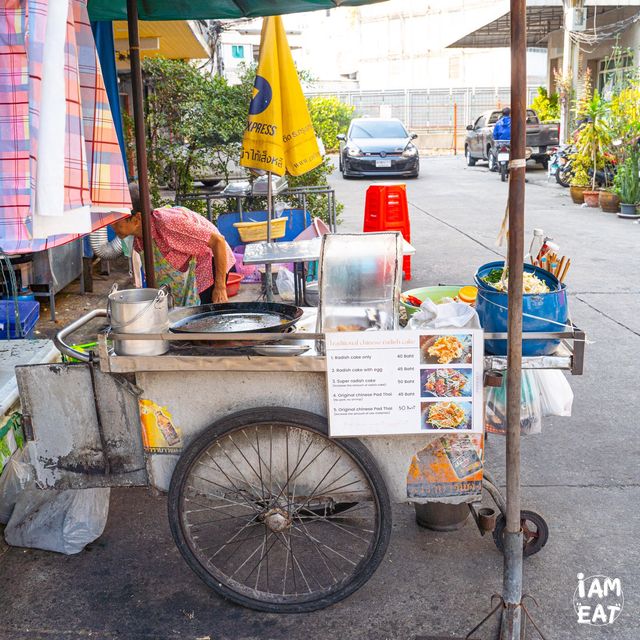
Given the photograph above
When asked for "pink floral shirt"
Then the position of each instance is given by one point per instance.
(181, 234)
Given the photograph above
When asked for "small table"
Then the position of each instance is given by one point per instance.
(298, 252)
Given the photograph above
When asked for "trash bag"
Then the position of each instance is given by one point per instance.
(456, 315)
(16, 475)
(556, 394)
(58, 520)
(286, 284)
(530, 406)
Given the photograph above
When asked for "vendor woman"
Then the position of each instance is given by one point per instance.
(190, 255)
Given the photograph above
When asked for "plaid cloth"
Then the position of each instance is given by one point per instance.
(94, 174)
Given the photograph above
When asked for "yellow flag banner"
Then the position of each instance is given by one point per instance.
(279, 136)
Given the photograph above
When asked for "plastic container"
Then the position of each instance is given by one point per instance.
(249, 272)
(542, 311)
(433, 293)
(29, 312)
(257, 231)
(233, 284)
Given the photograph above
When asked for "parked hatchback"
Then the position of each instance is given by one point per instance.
(378, 146)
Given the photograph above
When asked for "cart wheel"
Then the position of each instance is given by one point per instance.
(274, 515)
(534, 529)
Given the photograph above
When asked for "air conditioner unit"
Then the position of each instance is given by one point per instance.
(577, 19)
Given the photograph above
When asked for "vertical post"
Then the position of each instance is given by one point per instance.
(267, 267)
(141, 146)
(567, 55)
(455, 128)
(512, 575)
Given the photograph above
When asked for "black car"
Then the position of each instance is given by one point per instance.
(378, 146)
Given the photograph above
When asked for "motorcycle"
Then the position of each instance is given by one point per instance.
(503, 159)
(561, 165)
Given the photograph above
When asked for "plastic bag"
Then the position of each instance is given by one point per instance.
(443, 316)
(286, 284)
(64, 521)
(16, 476)
(556, 394)
(530, 406)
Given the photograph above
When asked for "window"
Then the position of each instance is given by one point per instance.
(237, 51)
(480, 122)
(378, 129)
(615, 73)
(495, 116)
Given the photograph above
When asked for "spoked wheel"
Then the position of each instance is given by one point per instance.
(535, 532)
(274, 515)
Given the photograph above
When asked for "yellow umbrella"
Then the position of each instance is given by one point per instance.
(279, 137)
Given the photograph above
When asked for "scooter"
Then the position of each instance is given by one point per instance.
(504, 153)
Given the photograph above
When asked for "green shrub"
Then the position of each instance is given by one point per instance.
(330, 117)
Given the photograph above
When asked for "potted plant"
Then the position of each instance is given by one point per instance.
(579, 179)
(609, 200)
(594, 137)
(627, 186)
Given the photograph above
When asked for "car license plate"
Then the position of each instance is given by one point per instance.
(383, 163)
(503, 157)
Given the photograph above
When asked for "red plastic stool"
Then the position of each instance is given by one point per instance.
(386, 209)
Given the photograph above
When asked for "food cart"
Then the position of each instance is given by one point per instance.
(265, 505)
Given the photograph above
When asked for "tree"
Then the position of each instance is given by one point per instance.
(330, 117)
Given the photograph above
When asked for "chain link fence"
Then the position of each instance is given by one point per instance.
(430, 112)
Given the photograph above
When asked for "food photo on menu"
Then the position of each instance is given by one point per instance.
(446, 416)
(446, 349)
(446, 383)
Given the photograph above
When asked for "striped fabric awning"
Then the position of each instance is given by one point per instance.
(61, 170)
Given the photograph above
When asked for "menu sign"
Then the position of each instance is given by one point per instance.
(405, 382)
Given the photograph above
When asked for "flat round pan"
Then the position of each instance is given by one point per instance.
(239, 317)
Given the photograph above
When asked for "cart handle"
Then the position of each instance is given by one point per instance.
(60, 337)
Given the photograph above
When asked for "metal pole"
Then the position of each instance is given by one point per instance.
(455, 128)
(141, 146)
(267, 267)
(512, 576)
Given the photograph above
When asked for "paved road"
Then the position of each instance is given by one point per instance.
(581, 472)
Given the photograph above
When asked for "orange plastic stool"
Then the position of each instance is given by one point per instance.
(386, 209)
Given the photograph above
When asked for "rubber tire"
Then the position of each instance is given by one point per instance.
(503, 174)
(544, 164)
(315, 423)
(527, 549)
(471, 162)
(561, 180)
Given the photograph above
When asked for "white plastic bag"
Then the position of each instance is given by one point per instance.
(556, 394)
(456, 315)
(286, 284)
(64, 521)
(16, 476)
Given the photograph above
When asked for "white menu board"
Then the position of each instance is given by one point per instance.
(405, 382)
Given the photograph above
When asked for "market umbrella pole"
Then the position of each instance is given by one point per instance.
(267, 267)
(141, 146)
(512, 576)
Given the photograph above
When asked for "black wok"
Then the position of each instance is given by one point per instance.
(238, 317)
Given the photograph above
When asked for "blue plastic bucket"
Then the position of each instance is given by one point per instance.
(541, 311)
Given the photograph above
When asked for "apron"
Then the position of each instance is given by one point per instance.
(183, 286)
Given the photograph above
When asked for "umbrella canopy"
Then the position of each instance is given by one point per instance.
(212, 9)
(279, 135)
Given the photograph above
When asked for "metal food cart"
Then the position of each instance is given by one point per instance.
(265, 508)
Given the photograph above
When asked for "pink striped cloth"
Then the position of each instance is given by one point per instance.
(94, 174)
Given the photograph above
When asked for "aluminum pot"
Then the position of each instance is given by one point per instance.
(139, 311)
